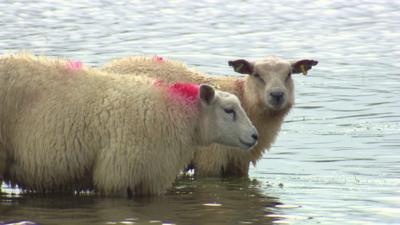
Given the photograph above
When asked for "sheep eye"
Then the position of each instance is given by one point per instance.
(256, 75)
(232, 112)
(229, 111)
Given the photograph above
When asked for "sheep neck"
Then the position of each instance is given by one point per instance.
(268, 122)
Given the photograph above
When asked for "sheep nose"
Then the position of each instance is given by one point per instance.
(254, 136)
(277, 95)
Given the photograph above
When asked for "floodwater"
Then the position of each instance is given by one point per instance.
(337, 158)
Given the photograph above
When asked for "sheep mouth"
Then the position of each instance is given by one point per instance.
(247, 144)
(276, 106)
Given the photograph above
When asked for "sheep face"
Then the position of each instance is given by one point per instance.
(224, 121)
(270, 82)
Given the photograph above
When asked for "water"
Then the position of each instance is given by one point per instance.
(336, 160)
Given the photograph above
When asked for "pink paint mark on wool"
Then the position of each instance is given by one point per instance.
(158, 59)
(74, 65)
(186, 91)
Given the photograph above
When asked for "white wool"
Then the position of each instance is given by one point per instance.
(65, 130)
(218, 160)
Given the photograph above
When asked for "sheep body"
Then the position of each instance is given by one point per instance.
(65, 129)
(226, 161)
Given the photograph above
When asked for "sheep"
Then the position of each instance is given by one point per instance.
(69, 129)
(266, 94)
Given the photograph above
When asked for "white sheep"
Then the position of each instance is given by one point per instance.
(67, 129)
(267, 95)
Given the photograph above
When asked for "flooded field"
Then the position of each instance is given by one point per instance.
(337, 158)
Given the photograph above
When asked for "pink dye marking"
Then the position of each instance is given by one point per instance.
(74, 65)
(158, 59)
(187, 91)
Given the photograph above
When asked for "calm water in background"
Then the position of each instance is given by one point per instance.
(337, 158)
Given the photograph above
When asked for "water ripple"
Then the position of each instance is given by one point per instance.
(337, 154)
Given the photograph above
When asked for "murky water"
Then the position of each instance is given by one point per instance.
(337, 159)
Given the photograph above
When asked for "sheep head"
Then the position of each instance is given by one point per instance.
(270, 83)
(223, 120)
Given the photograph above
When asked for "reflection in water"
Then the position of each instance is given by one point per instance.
(205, 201)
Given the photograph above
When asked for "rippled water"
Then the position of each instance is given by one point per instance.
(337, 158)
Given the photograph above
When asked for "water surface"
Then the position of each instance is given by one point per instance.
(336, 160)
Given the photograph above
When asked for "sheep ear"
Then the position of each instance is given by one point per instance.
(207, 94)
(302, 66)
(242, 66)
